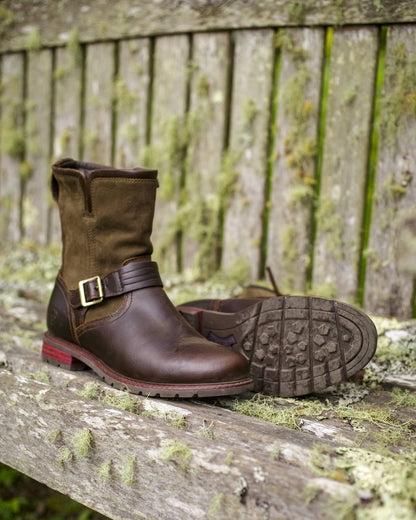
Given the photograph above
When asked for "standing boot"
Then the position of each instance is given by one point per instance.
(108, 309)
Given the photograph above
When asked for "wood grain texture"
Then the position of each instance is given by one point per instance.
(12, 145)
(167, 150)
(207, 119)
(127, 472)
(132, 101)
(345, 162)
(248, 148)
(38, 142)
(387, 291)
(294, 156)
(100, 20)
(98, 110)
(67, 114)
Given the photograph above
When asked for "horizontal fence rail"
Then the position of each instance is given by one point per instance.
(284, 146)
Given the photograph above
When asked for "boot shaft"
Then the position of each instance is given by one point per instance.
(106, 216)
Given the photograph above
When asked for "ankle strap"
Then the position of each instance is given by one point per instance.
(131, 277)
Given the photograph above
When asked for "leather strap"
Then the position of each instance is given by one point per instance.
(131, 277)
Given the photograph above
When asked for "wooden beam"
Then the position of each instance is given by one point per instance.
(101, 20)
(140, 465)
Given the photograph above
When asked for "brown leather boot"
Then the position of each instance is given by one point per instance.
(295, 345)
(108, 309)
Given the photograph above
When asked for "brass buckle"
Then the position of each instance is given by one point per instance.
(81, 289)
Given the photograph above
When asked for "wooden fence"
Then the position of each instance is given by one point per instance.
(284, 131)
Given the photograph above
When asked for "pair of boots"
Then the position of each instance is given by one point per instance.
(108, 310)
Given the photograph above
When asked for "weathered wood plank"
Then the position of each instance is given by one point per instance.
(168, 141)
(248, 149)
(101, 20)
(294, 156)
(111, 460)
(12, 145)
(98, 110)
(207, 121)
(67, 113)
(38, 142)
(387, 291)
(345, 162)
(132, 101)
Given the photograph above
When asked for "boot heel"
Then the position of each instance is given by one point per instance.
(193, 316)
(60, 358)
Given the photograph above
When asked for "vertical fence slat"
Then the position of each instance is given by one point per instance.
(207, 126)
(168, 142)
(387, 291)
(345, 162)
(36, 202)
(98, 113)
(131, 95)
(12, 145)
(294, 156)
(67, 113)
(246, 164)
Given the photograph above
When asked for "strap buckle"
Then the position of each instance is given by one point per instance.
(81, 288)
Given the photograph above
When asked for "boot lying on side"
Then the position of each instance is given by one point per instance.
(108, 309)
(295, 345)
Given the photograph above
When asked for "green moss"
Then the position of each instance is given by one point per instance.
(128, 470)
(330, 223)
(104, 471)
(13, 142)
(392, 480)
(82, 443)
(124, 97)
(203, 86)
(177, 452)
(53, 435)
(250, 111)
(59, 73)
(229, 458)
(206, 431)
(301, 195)
(311, 491)
(41, 375)
(403, 398)
(91, 390)
(399, 99)
(264, 408)
(216, 504)
(123, 401)
(64, 456)
(74, 47)
(6, 19)
(33, 40)
(178, 421)
(25, 170)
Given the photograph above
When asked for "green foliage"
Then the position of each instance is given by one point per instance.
(22, 498)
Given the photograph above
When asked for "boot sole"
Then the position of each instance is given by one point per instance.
(64, 354)
(296, 345)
